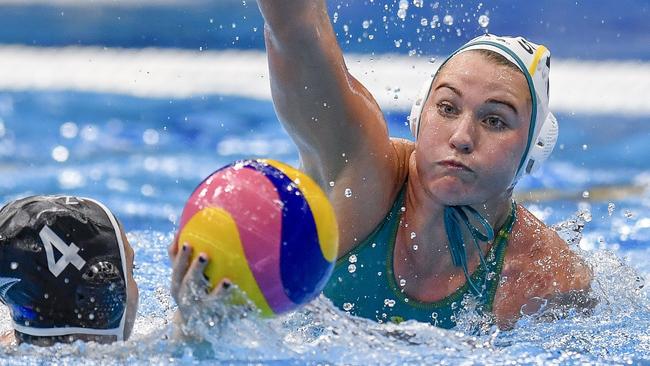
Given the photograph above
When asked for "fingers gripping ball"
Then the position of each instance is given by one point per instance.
(268, 228)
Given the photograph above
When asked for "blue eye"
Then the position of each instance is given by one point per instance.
(446, 109)
(494, 122)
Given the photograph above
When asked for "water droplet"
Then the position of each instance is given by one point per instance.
(584, 147)
(14, 265)
(46, 296)
(415, 247)
(69, 130)
(448, 20)
(389, 302)
(147, 190)
(610, 208)
(585, 194)
(91, 316)
(365, 24)
(353, 258)
(413, 235)
(92, 299)
(418, 3)
(60, 154)
(628, 214)
(348, 192)
(503, 280)
(89, 133)
(345, 28)
(424, 22)
(347, 306)
(352, 268)
(66, 280)
(402, 282)
(454, 305)
(150, 136)
(403, 6)
(398, 43)
(483, 21)
(434, 315)
(435, 21)
(379, 274)
(432, 60)
(331, 183)
(403, 209)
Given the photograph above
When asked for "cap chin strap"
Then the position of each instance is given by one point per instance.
(455, 216)
(64, 331)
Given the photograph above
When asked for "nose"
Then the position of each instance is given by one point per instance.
(462, 137)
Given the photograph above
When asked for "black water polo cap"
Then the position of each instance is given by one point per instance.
(63, 267)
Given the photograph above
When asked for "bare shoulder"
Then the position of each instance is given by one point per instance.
(546, 251)
(539, 266)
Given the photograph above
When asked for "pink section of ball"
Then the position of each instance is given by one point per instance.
(254, 204)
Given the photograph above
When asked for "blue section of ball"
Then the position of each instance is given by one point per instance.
(303, 269)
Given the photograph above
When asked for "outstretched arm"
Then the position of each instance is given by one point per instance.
(335, 122)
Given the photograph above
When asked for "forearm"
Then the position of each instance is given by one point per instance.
(335, 122)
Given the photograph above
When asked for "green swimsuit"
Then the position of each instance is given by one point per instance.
(363, 282)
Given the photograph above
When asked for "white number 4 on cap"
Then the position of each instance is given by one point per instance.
(69, 253)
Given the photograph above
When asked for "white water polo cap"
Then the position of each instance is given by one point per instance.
(534, 61)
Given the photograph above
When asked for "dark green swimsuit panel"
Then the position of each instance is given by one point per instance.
(363, 282)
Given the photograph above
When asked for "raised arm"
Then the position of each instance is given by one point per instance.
(335, 122)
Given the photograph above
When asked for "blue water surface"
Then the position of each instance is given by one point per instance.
(143, 157)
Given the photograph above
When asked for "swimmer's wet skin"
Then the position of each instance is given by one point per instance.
(66, 271)
(480, 124)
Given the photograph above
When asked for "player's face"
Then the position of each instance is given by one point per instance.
(475, 129)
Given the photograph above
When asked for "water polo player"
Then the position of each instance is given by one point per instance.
(425, 225)
(66, 271)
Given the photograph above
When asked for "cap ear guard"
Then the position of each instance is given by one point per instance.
(543, 146)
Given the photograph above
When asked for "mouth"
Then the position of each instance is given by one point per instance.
(454, 165)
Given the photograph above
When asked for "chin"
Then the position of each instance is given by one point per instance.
(453, 193)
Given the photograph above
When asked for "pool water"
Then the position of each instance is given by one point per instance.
(139, 128)
(144, 156)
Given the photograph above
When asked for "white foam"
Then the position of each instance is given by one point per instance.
(585, 87)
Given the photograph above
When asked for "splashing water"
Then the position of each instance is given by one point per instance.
(615, 332)
(483, 21)
(320, 333)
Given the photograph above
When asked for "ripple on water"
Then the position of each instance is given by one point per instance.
(320, 333)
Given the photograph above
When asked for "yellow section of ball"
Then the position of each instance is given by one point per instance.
(213, 231)
(320, 206)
